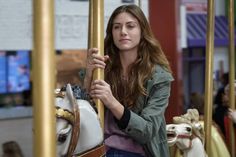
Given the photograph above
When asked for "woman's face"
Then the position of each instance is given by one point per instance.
(126, 32)
(225, 99)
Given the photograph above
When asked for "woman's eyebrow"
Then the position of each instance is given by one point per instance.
(132, 22)
(118, 23)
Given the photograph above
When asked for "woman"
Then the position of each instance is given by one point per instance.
(231, 113)
(220, 106)
(229, 116)
(136, 87)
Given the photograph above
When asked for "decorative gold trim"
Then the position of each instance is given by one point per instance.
(65, 114)
(60, 94)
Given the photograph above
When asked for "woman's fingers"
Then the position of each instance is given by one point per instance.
(106, 57)
(99, 61)
(92, 50)
(102, 90)
(96, 60)
(99, 86)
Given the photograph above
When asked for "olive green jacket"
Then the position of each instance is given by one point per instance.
(147, 122)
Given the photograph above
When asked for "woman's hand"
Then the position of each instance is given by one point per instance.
(232, 115)
(94, 60)
(102, 90)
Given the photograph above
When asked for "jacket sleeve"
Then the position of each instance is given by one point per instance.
(145, 126)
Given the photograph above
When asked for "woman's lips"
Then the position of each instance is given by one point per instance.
(124, 40)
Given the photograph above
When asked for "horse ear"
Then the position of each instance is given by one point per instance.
(69, 93)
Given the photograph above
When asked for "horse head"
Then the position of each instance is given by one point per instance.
(78, 127)
(187, 133)
(67, 118)
(179, 134)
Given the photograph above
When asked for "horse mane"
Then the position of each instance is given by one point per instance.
(81, 93)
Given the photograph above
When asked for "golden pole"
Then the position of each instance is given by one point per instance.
(90, 25)
(43, 59)
(208, 74)
(98, 42)
(140, 3)
(231, 71)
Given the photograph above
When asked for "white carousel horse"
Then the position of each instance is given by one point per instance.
(78, 127)
(182, 136)
(187, 133)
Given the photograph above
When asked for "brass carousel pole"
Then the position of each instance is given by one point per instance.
(97, 12)
(208, 74)
(90, 25)
(231, 71)
(43, 59)
(140, 3)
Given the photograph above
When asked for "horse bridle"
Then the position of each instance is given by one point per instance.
(65, 114)
(73, 119)
(190, 137)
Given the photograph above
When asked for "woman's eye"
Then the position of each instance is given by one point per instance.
(131, 26)
(116, 27)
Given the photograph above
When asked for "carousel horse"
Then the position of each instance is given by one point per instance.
(78, 128)
(187, 134)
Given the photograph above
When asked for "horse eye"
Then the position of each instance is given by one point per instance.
(188, 129)
(62, 138)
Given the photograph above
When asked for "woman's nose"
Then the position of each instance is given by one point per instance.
(123, 31)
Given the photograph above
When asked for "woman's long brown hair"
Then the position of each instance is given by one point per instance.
(149, 55)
